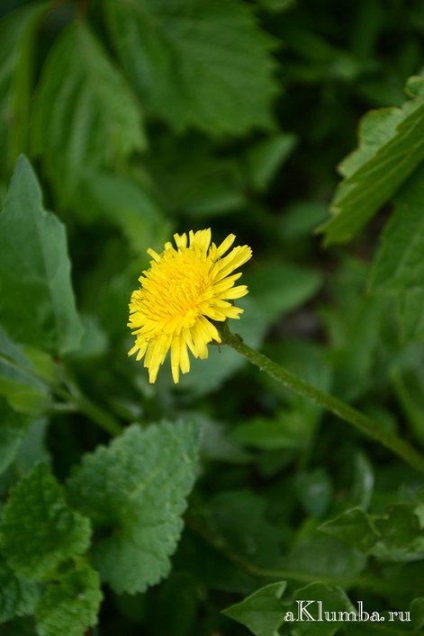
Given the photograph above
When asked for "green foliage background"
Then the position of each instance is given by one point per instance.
(210, 507)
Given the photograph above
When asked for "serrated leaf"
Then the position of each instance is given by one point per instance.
(16, 57)
(262, 611)
(37, 303)
(38, 530)
(96, 120)
(17, 596)
(71, 605)
(201, 64)
(354, 527)
(398, 268)
(387, 155)
(135, 493)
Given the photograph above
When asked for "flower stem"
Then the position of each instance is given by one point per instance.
(360, 421)
(77, 401)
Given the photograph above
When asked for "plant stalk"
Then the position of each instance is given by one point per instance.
(366, 425)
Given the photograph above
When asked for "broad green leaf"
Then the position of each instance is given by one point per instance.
(262, 611)
(69, 606)
(17, 32)
(196, 64)
(37, 303)
(96, 120)
(387, 155)
(17, 596)
(12, 429)
(38, 530)
(135, 493)
(312, 601)
(398, 268)
(355, 527)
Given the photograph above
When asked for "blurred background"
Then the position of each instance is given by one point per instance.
(147, 117)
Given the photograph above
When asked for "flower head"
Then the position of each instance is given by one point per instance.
(185, 290)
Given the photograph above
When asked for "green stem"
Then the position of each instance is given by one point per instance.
(360, 421)
(98, 415)
(74, 397)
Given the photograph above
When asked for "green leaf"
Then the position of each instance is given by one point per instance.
(197, 64)
(288, 429)
(387, 155)
(37, 304)
(38, 530)
(398, 268)
(195, 178)
(355, 326)
(125, 203)
(262, 611)
(176, 611)
(238, 518)
(71, 605)
(355, 527)
(17, 597)
(135, 493)
(96, 120)
(264, 159)
(17, 32)
(401, 536)
(19, 384)
(281, 287)
(417, 612)
(329, 599)
(12, 429)
(324, 556)
(315, 491)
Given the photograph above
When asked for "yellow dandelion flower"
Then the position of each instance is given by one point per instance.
(185, 290)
